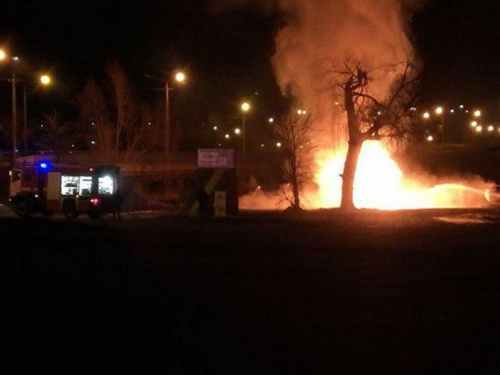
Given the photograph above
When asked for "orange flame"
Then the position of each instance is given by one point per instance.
(379, 184)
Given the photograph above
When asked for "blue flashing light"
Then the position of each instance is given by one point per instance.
(44, 166)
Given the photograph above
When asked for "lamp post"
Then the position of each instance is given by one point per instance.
(440, 112)
(245, 107)
(45, 80)
(180, 77)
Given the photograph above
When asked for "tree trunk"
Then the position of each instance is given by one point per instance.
(296, 195)
(353, 150)
(351, 163)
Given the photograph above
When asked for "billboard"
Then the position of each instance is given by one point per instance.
(216, 158)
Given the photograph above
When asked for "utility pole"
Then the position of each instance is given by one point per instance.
(167, 119)
(25, 122)
(14, 113)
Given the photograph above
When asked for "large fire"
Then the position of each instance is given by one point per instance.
(379, 184)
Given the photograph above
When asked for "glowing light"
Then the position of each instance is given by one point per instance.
(215, 128)
(227, 136)
(278, 144)
(245, 107)
(461, 106)
(271, 120)
(426, 115)
(439, 110)
(430, 138)
(479, 128)
(491, 128)
(3, 55)
(45, 79)
(180, 77)
(44, 165)
(237, 131)
(477, 113)
(299, 111)
(473, 124)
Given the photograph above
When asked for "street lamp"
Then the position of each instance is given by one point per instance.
(13, 80)
(45, 80)
(245, 107)
(180, 78)
(440, 112)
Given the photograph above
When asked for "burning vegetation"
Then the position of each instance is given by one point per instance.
(352, 65)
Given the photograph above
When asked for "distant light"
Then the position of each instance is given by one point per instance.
(439, 110)
(473, 124)
(452, 111)
(237, 131)
(477, 113)
(271, 120)
(45, 79)
(426, 115)
(41, 126)
(3, 55)
(180, 77)
(215, 128)
(491, 128)
(262, 145)
(278, 144)
(461, 106)
(15, 58)
(93, 142)
(337, 103)
(227, 136)
(44, 165)
(430, 138)
(245, 107)
(479, 129)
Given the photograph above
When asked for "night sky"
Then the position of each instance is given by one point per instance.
(227, 55)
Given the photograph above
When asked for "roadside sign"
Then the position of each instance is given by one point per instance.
(216, 158)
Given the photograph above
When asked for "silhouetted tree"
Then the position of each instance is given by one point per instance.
(373, 114)
(293, 131)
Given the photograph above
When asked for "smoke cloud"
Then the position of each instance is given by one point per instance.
(318, 36)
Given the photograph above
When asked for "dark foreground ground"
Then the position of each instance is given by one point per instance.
(403, 292)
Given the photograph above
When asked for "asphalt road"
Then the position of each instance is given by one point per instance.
(401, 292)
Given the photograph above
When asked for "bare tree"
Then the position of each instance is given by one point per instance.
(56, 135)
(125, 107)
(120, 127)
(95, 121)
(293, 132)
(373, 115)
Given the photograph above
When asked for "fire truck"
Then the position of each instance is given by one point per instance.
(45, 188)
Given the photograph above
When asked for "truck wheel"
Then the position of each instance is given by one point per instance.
(23, 209)
(95, 214)
(69, 210)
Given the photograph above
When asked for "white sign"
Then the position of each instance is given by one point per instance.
(216, 158)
